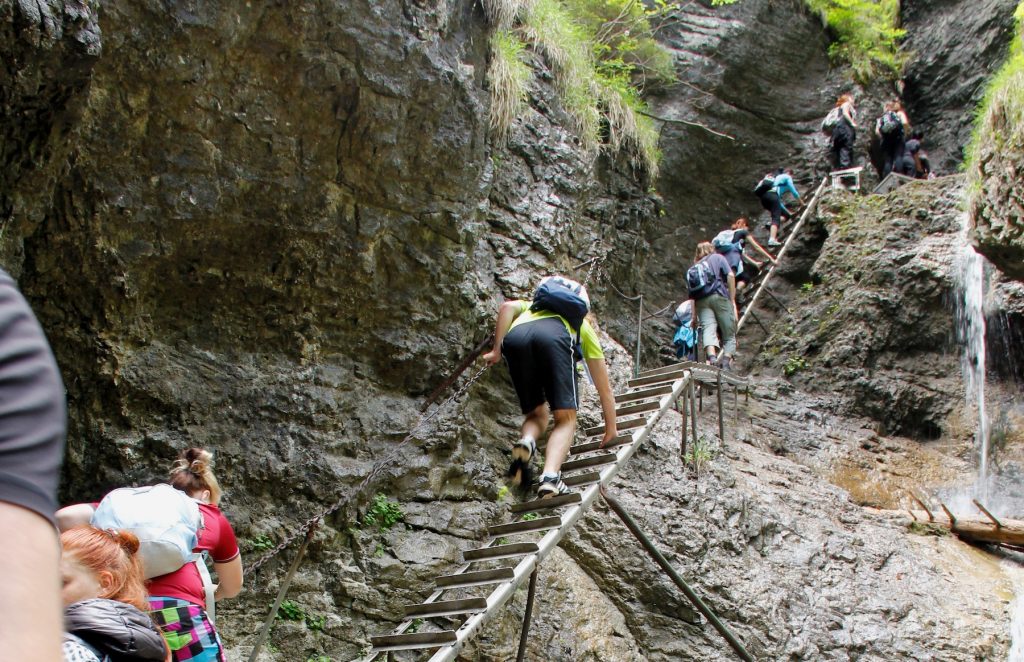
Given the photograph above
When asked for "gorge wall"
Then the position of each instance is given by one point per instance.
(272, 229)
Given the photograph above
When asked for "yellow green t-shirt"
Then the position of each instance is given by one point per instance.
(589, 342)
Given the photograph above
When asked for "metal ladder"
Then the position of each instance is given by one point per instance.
(589, 468)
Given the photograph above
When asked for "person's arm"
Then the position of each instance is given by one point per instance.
(78, 514)
(599, 373)
(507, 313)
(850, 113)
(229, 578)
(693, 315)
(760, 249)
(732, 293)
(30, 602)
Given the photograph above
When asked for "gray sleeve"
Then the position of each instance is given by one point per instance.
(33, 413)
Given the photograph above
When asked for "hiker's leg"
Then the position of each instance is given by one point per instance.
(726, 323)
(706, 315)
(536, 422)
(560, 440)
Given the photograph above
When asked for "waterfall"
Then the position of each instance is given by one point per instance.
(970, 318)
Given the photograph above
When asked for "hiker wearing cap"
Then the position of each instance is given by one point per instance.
(541, 342)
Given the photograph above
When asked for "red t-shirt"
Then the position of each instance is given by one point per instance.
(216, 537)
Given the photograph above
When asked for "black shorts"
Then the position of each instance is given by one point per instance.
(539, 356)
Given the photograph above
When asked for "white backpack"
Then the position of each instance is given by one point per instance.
(166, 521)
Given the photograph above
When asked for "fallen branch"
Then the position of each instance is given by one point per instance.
(688, 123)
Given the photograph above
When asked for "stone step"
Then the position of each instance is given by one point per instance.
(446, 608)
(525, 526)
(476, 578)
(412, 641)
(500, 551)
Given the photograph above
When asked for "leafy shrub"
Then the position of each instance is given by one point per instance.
(290, 611)
(383, 514)
(261, 543)
(793, 365)
(867, 35)
(699, 454)
(316, 623)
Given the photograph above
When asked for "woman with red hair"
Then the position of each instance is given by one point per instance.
(105, 599)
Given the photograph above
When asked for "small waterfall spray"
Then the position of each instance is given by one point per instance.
(971, 331)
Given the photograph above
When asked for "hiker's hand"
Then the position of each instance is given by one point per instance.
(492, 357)
(610, 432)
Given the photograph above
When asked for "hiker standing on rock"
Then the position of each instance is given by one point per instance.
(541, 342)
(841, 123)
(711, 286)
(891, 129)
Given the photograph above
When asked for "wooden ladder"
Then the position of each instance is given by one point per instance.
(589, 468)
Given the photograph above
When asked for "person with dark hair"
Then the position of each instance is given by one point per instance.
(105, 599)
(541, 348)
(891, 129)
(711, 286)
(844, 132)
(732, 243)
(770, 190)
(33, 424)
(915, 159)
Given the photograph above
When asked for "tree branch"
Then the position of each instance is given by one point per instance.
(688, 123)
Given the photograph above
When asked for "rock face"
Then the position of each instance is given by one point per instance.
(271, 229)
(955, 45)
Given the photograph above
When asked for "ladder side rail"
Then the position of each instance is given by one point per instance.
(525, 568)
(778, 257)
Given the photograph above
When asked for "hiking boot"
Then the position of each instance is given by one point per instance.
(524, 449)
(551, 485)
(772, 243)
(713, 361)
(725, 363)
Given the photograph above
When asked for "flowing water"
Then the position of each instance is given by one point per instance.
(971, 331)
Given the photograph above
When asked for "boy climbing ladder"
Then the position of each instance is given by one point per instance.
(541, 342)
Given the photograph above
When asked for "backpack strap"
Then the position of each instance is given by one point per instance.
(208, 587)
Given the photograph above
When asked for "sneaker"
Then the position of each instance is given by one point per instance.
(524, 449)
(725, 363)
(772, 243)
(551, 485)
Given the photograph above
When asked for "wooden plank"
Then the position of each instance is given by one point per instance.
(587, 478)
(638, 408)
(656, 379)
(660, 371)
(546, 504)
(526, 526)
(500, 551)
(590, 446)
(619, 425)
(643, 394)
(412, 641)
(446, 608)
(476, 578)
(586, 462)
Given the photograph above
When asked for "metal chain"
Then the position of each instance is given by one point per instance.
(594, 263)
(374, 472)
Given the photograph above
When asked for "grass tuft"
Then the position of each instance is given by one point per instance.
(867, 35)
(509, 76)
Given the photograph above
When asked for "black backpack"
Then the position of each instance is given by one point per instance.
(890, 125)
(766, 184)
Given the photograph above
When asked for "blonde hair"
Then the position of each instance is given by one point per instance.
(843, 98)
(704, 249)
(193, 472)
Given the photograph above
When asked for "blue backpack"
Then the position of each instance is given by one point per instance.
(723, 242)
(563, 296)
(701, 279)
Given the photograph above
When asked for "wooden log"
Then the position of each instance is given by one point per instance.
(980, 529)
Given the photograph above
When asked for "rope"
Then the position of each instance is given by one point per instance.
(374, 473)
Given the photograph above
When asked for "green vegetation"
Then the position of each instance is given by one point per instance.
(699, 454)
(316, 623)
(927, 529)
(260, 543)
(1000, 117)
(793, 365)
(806, 288)
(290, 611)
(383, 514)
(603, 56)
(867, 35)
(529, 517)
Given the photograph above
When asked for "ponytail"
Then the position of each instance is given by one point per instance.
(193, 472)
(111, 551)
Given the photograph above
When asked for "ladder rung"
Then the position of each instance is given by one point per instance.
(643, 394)
(592, 461)
(639, 408)
(547, 504)
(619, 425)
(447, 608)
(500, 551)
(659, 371)
(412, 641)
(582, 479)
(539, 524)
(589, 446)
(476, 578)
(656, 379)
